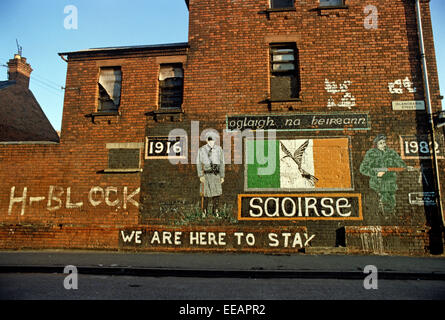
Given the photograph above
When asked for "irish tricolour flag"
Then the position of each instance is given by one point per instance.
(292, 164)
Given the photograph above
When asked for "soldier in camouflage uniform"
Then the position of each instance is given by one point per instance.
(375, 165)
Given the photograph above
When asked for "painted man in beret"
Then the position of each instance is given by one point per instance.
(381, 164)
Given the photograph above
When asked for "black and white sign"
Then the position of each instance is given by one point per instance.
(300, 122)
(408, 105)
(420, 147)
(165, 147)
(300, 207)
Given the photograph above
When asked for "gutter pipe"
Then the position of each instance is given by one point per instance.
(429, 109)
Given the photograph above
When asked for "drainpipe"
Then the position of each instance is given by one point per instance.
(429, 108)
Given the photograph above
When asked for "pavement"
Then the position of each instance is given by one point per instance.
(228, 265)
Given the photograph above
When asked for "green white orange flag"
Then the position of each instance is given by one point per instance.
(298, 164)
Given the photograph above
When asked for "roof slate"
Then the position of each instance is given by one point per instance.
(21, 117)
(4, 84)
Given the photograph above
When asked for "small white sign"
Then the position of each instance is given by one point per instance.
(408, 105)
(422, 198)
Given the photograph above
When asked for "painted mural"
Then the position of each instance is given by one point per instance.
(211, 170)
(381, 165)
(299, 164)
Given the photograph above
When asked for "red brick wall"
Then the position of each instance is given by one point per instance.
(226, 72)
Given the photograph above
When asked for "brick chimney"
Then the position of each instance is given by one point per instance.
(19, 70)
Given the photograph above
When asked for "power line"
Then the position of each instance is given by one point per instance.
(37, 78)
(47, 80)
(49, 91)
(45, 86)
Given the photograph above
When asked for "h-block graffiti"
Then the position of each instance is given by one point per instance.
(59, 197)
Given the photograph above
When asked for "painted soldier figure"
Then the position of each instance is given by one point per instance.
(210, 166)
(381, 164)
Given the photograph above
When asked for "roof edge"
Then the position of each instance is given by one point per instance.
(167, 46)
(29, 142)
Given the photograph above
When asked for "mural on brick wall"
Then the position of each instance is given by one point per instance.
(309, 165)
(299, 164)
(326, 97)
(279, 182)
(231, 240)
(381, 165)
(211, 169)
(306, 206)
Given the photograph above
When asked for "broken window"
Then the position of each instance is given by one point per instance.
(284, 77)
(331, 3)
(171, 86)
(276, 4)
(110, 82)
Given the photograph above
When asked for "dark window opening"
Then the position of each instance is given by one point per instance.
(331, 3)
(110, 83)
(171, 86)
(284, 75)
(277, 4)
(123, 159)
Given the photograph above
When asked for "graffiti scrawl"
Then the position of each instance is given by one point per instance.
(347, 100)
(398, 85)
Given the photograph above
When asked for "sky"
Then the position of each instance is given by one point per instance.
(40, 27)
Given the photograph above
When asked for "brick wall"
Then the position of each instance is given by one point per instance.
(226, 73)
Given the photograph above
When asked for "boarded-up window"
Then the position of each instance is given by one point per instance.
(331, 3)
(276, 4)
(123, 159)
(284, 77)
(171, 86)
(110, 83)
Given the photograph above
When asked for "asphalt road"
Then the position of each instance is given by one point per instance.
(14, 286)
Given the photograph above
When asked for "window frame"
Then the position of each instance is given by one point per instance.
(160, 88)
(341, 5)
(100, 104)
(292, 6)
(295, 73)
